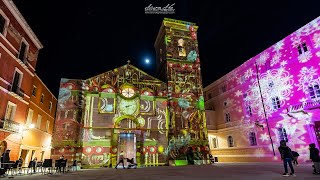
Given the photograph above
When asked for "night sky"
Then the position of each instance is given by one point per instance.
(84, 38)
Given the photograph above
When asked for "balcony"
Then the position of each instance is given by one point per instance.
(308, 105)
(9, 125)
(305, 110)
(16, 90)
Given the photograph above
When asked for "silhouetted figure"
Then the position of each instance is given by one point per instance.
(314, 156)
(74, 165)
(287, 157)
(59, 163)
(131, 163)
(314, 170)
(20, 162)
(295, 158)
(190, 156)
(6, 159)
(34, 165)
(121, 158)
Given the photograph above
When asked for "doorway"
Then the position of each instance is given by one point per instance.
(32, 154)
(23, 155)
(42, 155)
(127, 144)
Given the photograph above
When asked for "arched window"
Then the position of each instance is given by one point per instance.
(252, 138)
(230, 141)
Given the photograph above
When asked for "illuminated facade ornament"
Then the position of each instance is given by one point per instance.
(281, 87)
(126, 109)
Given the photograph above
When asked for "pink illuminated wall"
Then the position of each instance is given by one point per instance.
(288, 73)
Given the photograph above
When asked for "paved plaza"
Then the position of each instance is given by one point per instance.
(218, 171)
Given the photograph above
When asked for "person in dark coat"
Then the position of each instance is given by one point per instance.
(287, 157)
(295, 158)
(190, 156)
(6, 159)
(121, 159)
(314, 156)
(34, 164)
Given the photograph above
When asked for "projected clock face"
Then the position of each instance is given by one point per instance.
(127, 92)
(128, 107)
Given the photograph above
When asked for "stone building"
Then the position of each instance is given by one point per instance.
(153, 121)
(273, 96)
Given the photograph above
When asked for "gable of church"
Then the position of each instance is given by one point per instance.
(112, 80)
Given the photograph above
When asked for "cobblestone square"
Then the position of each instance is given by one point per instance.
(218, 171)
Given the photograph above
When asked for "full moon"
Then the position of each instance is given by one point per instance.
(147, 61)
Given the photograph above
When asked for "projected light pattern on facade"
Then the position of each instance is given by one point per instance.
(125, 109)
(287, 77)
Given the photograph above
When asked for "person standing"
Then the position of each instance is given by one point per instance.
(286, 156)
(190, 157)
(295, 158)
(20, 163)
(314, 156)
(59, 163)
(6, 159)
(121, 159)
(34, 164)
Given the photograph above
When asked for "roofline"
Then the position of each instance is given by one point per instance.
(158, 35)
(123, 66)
(45, 86)
(249, 60)
(146, 73)
(23, 23)
(172, 21)
(179, 21)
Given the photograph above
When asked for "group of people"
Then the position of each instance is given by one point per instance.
(5, 161)
(290, 157)
(193, 154)
(33, 163)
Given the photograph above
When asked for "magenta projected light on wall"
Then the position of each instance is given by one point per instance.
(289, 82)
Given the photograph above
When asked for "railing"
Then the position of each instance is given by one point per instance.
(9, 125)
(304, 106)
(16, 89)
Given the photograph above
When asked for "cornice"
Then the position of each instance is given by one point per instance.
(23, 23)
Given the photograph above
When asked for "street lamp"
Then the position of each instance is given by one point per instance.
(31, 126)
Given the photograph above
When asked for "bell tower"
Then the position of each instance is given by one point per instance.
(178, 64)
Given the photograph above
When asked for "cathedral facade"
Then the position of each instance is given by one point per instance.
(156, 122)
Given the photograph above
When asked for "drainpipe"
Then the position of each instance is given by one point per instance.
(264, 109)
